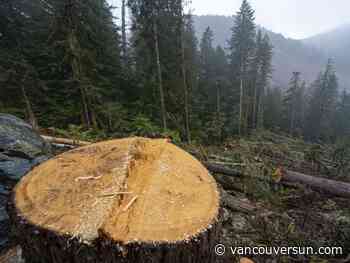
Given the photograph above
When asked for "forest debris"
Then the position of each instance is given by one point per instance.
(13, 255)
(277, 175)
(64, 141)
(336, 188)
(239, 205)
(230, 164)
(333, 187)
(215, 168)
(347, 260)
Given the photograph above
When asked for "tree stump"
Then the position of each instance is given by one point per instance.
(130, 200)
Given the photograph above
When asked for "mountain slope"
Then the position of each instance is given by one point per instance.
(335, 44)
(308, 56)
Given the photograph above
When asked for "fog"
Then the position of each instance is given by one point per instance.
(296, 19)
(293, 18)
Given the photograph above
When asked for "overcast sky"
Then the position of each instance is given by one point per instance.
(293, 18)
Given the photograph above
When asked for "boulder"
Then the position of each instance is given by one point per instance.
(21, 148)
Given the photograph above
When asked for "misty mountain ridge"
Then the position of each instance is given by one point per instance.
(308, 56)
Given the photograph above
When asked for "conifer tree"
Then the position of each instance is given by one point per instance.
(292, 103)
(273, 108)
(261, 70)
(184, 74)
(322, 108)
(342, 116)
(207, 81)
(241, 46)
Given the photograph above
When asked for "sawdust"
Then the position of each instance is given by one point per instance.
(130, 190)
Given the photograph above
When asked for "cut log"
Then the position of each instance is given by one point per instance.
(131, 200)
(64, 141)
(238, 205)
(328, 186)
(332, 187)
(215, 168)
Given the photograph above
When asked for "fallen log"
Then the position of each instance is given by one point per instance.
(229, 183)
(130, 200)
(332, 187)
(65, 141)
(337, 188)
(215, 168)
(238, 205)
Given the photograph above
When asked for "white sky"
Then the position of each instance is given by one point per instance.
(293, 18)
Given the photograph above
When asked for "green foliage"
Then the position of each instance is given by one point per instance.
(174, 136)
(341, 156)
(77, 132)
(293, 102)
(143, 126)
(115, 117)
(323, 104)
(60, 64)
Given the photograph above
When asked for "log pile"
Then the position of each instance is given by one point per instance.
(131, 200)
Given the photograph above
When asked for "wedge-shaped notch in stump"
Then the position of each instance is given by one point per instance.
(130, 200)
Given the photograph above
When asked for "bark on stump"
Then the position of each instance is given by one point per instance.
(131, 200)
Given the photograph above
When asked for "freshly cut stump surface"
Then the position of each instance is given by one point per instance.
(129, 200)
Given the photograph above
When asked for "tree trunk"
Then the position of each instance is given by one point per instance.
(218, 108)
(260, 112)
(78, 75)
(29, 110)
(184, 78)
(332, 187)
(336, 188)
(131, 200)
(160, 78)
(124, 42)
(218, 99)
(85, 111)
(255, 106)
(240, 107)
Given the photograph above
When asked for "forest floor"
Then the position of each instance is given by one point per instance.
(271, 215)
(262, 213)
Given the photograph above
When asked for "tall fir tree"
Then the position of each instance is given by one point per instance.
(342, 116)
(207, 73)
(260, 74)
(322, 107)
(293, 101)
(241, 46)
